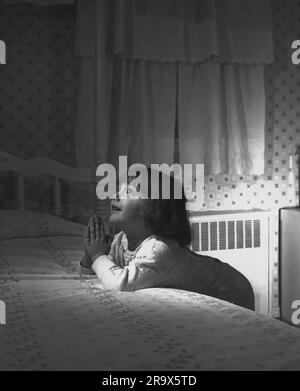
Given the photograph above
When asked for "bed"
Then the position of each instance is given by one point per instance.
(58, 319)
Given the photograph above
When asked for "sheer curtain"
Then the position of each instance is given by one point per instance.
(222, 117)
(130, 52)
(142, 112)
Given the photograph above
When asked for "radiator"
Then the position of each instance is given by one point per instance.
(241, 239)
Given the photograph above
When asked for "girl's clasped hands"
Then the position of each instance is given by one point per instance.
(96, 241)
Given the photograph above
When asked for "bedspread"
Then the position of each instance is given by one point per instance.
(57, 320)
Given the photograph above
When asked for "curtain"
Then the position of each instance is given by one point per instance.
(124, 107)
(130, 52)
(235, 31)
(95, 81)
(222, 116)
(142, 112)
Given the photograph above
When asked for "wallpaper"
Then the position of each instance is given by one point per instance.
(36, 87)
(38, 101)
(38, 98)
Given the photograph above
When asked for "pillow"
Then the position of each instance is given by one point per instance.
(27, 223)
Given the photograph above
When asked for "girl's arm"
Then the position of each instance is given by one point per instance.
(145, 271)
(109, 273)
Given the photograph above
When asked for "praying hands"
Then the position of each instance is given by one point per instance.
(96, 242)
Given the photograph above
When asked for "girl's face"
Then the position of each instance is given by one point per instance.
(126, 209)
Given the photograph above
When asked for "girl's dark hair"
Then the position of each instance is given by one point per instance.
(167, 218)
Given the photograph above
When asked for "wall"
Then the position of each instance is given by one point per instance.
(38, 96)
(36, 82)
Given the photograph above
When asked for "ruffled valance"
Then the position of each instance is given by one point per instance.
(190, 31)
(235, 31)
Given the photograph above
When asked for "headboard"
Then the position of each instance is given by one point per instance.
(42, 166)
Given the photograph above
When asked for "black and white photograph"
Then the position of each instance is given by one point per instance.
(149, 188)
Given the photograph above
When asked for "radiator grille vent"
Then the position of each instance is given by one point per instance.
(225, 235)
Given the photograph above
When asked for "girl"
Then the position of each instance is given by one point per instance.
(151, 251)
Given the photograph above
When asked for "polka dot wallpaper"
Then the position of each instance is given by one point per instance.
(38, 95)
(36, 87)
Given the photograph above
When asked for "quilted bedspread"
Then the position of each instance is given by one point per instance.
(58, 320)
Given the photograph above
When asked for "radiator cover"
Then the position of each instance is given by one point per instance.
(241, 239)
